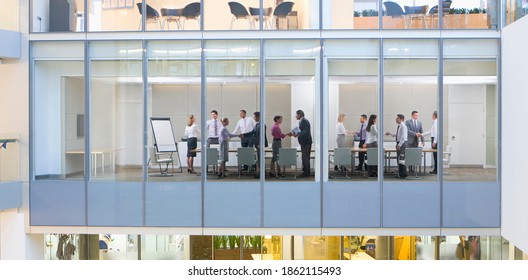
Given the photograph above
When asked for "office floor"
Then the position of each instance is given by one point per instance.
(458, 174)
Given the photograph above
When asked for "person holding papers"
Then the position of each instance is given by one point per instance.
(304, 136)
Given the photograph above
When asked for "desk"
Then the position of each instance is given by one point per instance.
(94, 153)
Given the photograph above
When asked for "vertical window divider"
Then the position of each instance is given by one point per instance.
(380, 113)
(87, 129)
(203, 124)
(262, 158)
(440, 124)
(144, 74)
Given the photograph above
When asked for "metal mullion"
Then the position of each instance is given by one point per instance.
(440, 127)
(87, 128)
(144, 75)
(381, 162)
(262, 123)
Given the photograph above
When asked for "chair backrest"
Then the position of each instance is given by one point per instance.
(413, 156)
(151, 12)
(246, 156)
(191, 11)
(153, 156)
(283, 9)
(342, 156)
(372, 156)
(287, 156)
(393, 9)
(413, 10)
(447, 155)
(212, 156)
(446, 6)
(238, 10)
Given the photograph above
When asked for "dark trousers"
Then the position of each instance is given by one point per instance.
(400, 154)
(435, 154)
(361, 155)
(305, 156)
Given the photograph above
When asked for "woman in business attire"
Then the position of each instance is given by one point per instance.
(277, 135)
(191, 132)
(372, 142)
(341, 134)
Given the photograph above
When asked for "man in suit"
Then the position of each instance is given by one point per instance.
(255, 133)
(362, 136)
(434, 140)
(414, 134)
(213, 129)
(401, 143)
(245, 125)
(304, 136)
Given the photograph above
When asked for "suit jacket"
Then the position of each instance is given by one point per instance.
(256, 135)
(412, 140)
(305, 136)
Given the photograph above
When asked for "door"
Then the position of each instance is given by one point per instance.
(466, 133)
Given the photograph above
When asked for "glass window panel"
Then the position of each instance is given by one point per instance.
(336, 15)
(473, 14)
(470, 93)
(59, 110)
(233, 96)
(116, 111)
(276, 15)
(122, 15)
(174, 93)
(51, 16)
(291, 85)
(353, 97)
(411, 109)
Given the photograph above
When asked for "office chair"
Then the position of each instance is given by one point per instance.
(191, 11)
(246, 156)
(288, 157)
(413, 157)
(152, 15)
(343, 157)
(282, 11)
(393, 9)
(239, 12)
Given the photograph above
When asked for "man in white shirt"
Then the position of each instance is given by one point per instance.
(213, 129)
(401, 144)
(245, 125)
(434, 140)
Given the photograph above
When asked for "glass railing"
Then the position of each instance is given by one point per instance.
(9, 158)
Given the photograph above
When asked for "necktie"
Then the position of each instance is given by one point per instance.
(215, 128)
(397, 133)
(361, 132)
(414, 121)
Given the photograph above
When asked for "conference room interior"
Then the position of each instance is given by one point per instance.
(185, 15)
(118, 97)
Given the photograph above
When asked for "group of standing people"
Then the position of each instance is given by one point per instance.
(408, 134)
(248, 129)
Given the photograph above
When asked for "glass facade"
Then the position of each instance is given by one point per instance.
(275, 247)
(136, 125)
(165, 15)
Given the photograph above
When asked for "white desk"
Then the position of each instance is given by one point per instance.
(97, 153)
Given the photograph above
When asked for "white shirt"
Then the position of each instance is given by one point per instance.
(244, 125)
(433, 132)
(340, 128)
(211, 124)
(192, 131)
(372, 136)
(401, 134)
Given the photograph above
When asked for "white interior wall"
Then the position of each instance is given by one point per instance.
(129, 125)
(514, 226)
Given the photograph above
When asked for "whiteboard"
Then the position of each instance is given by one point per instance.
(163, 136)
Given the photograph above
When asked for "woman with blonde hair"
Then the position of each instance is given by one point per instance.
(191, 133)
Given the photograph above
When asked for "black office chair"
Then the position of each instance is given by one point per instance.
(172, 15)
(282, 11)
(191, 11)
(266, 16)
(239, 12)
(152, 15)
(393, 9)
(433, 13)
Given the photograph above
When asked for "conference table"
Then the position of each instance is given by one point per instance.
(388, 156)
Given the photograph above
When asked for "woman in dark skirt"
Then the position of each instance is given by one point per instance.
(191, 132)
